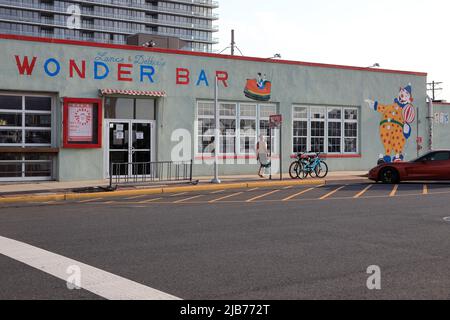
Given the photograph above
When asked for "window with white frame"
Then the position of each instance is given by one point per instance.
(300, 127)
(332, 130)
(334, 126)
(351, 130)
(318, 129)
(247, 128)
(205, 126)
(240, 125)
(25, 121)
(227, 119)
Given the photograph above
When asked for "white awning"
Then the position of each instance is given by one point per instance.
(106, 92)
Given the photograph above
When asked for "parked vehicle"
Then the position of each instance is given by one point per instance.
(308, 164)
(434, 165)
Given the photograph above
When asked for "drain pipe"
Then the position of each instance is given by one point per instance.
(430, 122)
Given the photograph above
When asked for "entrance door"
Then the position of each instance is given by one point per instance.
(130, 142)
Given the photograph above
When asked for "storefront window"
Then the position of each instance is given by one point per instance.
(227, 121)
(333, 130)
(351, 131)
(240, 124)
(247, 125)
(130, 109)
(300, 126)
(25, 121)
(206, 125)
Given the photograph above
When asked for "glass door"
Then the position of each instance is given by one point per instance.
(119, 146)
(141, 151)
(130, 142)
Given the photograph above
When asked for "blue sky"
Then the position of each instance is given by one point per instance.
(398, 34)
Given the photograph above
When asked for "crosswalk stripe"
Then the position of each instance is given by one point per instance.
(394, 191)
(188, 199)
(297, 194)
(331, 193)
(226, 197)
(97, 281)
(263, 195)
(360, 194)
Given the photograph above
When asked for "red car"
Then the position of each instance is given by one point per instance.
(434, 165)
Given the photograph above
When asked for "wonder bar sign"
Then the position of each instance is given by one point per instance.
(138, 68)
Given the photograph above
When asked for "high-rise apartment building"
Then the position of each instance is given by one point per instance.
(112, 21)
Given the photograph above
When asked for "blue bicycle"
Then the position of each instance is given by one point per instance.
(308, 164)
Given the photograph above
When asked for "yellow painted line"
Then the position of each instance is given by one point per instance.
(394, 191)
(425, 189)
(331, 193)
(219, 191)
(359, 195)
(263, 195)
(150, 200)
(90, 200)
(298, 194)
(226, 197)
(187, 199)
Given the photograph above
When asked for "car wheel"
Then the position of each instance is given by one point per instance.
(389, 176)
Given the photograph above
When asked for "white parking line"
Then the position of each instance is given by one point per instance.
(136, 197)
(226, 197)
(150, 200)
(90, 200)
(187, 199)
(99, 282)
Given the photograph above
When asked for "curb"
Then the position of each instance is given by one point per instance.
(226, 186)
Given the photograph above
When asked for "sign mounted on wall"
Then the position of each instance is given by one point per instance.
(82, 123)
(275, 121)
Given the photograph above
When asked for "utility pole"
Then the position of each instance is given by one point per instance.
(433, 87)
(233, 43)
(216, 179)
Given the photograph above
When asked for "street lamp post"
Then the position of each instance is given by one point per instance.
(216, 179)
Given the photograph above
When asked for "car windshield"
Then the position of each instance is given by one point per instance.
(434, 156)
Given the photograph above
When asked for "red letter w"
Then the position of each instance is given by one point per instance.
(25, 67)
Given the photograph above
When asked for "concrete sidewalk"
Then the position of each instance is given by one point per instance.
(51, 187)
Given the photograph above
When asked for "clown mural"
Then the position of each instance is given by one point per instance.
(395, 125)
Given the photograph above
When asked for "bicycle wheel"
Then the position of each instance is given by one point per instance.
(321, 170)
(294, 170)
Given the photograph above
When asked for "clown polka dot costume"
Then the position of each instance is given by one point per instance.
(395, 126)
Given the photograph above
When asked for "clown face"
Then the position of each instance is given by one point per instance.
(404, 96)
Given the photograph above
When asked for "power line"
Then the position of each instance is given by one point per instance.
(433, 87)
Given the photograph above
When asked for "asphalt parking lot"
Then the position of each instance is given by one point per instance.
(309, 242)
